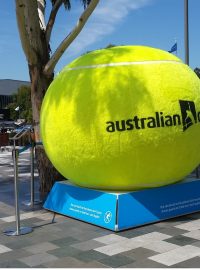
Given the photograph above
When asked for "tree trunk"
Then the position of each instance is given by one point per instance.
(39, 84)
(35, 43)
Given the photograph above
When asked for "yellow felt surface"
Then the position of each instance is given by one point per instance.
(79, 102)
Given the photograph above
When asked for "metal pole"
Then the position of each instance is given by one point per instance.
(186, 30)
(15, 163)
(32, 201)
(19, 230)
(32, 175)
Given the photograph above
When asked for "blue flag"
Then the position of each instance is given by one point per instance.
(173, 48)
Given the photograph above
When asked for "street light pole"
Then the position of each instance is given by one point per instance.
(186, 30)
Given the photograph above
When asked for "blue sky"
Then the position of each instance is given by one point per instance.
(155, 23)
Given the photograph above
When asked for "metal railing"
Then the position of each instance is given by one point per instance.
(20, 134)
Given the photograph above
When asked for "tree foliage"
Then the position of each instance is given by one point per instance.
(67, 3)
(197, 71)
(21, 99)
(110, 46)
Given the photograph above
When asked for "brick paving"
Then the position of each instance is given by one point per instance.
(70, 243)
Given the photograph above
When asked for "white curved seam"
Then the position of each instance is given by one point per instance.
(125, 64)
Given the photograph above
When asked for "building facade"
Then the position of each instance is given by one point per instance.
(7, 89)
(5, 100)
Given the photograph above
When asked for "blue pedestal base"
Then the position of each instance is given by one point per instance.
(122, 210)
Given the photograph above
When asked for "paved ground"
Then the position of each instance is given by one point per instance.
(71, 243)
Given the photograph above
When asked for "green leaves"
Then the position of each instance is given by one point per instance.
(67, 3)
(22, 99)
(85, 3)
(197, 71)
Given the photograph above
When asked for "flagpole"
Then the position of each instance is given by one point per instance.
(186, 30)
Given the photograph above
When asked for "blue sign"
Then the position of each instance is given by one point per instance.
(157, 204)
(119, 211)
(92, 206)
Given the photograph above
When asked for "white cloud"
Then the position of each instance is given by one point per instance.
(108, 14)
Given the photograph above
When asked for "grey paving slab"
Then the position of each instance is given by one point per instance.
(190, 226)
(110, 239)
(52, 228)
(41, 266)
(117, 248)
(176, 256)
(75, 230)
(130, 233)
(87, 245)
(139, 254)
(116, 261)
(42, 223)
(171, 231)
(74, 226)
(95, 264)
(91, 255)
(132, 243)
(38, 259)
(168, 223)
(67, 262)
(87, 226)
(20, 243)
(64, 252)
(1, 222)
(160, 246)
(65, 242)
(52, 235)
(14, 254)
(84, 236)
(184, 218)
(30, 222)
(47, 216)
(150, 237)
(36, 237)
(12, 264)
(181, 240)
(144, 264)
(4, 249)
(191, 263)
(139, 230)
(41, 247)
(193, 234)
(196, 244)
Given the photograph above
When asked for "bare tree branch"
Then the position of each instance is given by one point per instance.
(41, 13)
(22, 22)
(48, 70)
(52, 18)
(29, 29)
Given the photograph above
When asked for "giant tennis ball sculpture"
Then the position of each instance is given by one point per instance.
(123, 118)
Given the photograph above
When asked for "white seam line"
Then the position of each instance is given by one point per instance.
(125, 64)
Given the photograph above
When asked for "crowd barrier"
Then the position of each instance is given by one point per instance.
(15, 156)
